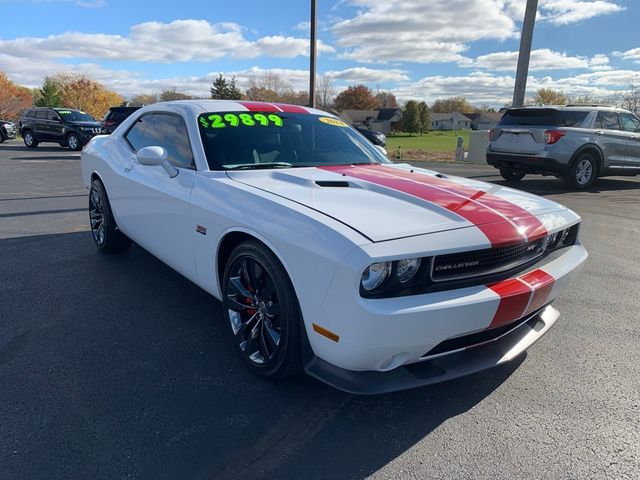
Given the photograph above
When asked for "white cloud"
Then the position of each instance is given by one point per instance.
(633, 54)
(563, 12)
(368, 75)
(419, 31)
(485, 88)
(177, 41)
(541, 59)
(438, 31)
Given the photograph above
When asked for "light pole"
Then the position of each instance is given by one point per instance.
(312, 57)
(525, 53)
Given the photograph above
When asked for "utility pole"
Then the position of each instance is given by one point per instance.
(525, 53)
(312, 57)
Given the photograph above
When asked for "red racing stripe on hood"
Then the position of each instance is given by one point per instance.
(521, 296)
(495, 227)
(526, 223)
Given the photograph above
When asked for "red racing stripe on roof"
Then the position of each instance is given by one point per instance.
(527, 224)
(292, 108)
(521, 296)
(260, 107)
(498, 230)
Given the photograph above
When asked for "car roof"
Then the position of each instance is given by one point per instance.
(198, 106)
(575, 108)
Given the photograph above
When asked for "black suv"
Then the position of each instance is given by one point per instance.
(115, 116)
(68, 127)
(7, 130)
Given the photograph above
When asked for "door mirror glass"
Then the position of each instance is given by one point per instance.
(156, 156)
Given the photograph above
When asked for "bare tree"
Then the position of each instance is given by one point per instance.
(631, 99)
(325, 92)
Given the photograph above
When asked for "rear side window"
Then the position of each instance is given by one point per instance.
(163, 130)
(608, 121)
(630, 123)
(42, 114)
(544, 117)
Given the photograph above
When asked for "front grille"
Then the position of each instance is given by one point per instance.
(455, 266)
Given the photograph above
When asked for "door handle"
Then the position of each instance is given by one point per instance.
(129, 165)
(599, 132)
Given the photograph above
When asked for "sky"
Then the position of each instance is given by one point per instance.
(417, 49)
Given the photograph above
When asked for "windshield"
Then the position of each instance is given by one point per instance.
(248, 140)
(75, 116)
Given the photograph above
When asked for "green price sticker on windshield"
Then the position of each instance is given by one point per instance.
(223, 120)
(64, 112)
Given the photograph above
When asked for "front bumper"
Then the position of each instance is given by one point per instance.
(382, 335)
(456, 364)
(10, 133)
(527, 163)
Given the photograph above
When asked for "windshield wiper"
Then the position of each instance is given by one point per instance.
(259, 166)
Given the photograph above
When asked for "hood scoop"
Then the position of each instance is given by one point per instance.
(332, 183)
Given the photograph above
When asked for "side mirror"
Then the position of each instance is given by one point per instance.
(156, 156)
(382, 150)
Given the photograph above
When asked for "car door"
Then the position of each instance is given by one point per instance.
(55, 126)
(610, 138)
(631, 127)
(152, 207)
(41, 125)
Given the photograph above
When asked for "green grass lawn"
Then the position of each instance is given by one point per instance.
(434, 141)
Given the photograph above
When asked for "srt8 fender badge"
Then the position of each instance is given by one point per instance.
(201, 229)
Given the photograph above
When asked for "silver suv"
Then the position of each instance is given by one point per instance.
(576, 143)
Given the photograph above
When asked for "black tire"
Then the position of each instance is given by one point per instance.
(511, 176)
(73, 142)
(261, 311)
(29, 139)
(2, 137)
(106, 234)
(583, 172)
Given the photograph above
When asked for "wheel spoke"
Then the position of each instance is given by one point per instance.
(237, 305)
(274, 310)
(236, 284)
(273, 337)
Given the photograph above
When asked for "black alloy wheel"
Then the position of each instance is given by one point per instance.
(262, 311)
(106, 234)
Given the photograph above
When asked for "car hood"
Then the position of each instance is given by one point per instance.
(386, 202)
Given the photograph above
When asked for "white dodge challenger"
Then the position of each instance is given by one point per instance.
(327, 257)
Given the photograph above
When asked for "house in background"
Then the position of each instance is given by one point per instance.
(484, 121)
(450, 121)
(382, 120)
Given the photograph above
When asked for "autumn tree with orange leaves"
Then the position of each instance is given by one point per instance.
(83, 93)
(13, 98)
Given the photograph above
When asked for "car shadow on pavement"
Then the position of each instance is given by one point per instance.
(118, 367)
(13, 147)
(551, 186)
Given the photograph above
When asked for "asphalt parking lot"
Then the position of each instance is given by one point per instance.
(117, 367)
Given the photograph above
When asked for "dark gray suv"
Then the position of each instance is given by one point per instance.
(576, 143)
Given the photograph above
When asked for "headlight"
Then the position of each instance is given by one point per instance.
(552, 241)
(407, 269)
(374, 275)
